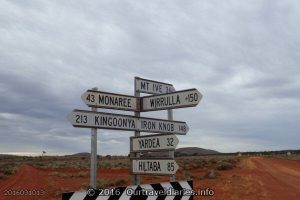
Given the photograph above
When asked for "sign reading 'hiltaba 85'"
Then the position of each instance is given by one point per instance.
(154, 166)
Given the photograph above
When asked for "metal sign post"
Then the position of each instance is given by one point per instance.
(136, 178)
(93, 181)
(172, 152)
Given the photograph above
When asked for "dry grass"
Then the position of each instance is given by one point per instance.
(7, 169)
(246, 164)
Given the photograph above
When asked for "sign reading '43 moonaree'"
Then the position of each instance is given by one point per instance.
(179, 99)
(110, 100)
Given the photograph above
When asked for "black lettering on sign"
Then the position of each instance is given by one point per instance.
(144, 85)
(90, 98)
(148, 125)
(182, 128)
(164, 126)
(157, 88)
(152, 166)
(107, 121)
(114, 101)
(170, 167)
(164, 101)
(149, 143)
(81, 119)
(193, 97)
(170, 142)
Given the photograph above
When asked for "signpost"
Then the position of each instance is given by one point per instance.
(163, 97)
(155, 166)
(88, 119)
(156, 142)
(179, 99)
(93, 181)
(152, 87)
(108, 100)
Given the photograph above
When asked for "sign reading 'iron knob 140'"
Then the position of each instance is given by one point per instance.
(110, 100)
(154, 166)
(155, 142)
(179, 99)
(89, 119)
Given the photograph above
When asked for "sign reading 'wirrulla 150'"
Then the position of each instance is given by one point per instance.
(152, 87)
(89, 119)
(179, 99)
(108, 100)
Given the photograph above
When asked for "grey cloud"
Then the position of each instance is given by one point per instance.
(243, 56)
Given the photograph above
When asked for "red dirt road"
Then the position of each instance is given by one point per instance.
(26, 184)
(280, 179)
(256, 178)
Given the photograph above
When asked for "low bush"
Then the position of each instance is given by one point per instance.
(223, 165)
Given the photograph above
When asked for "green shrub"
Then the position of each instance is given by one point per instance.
(223, 165)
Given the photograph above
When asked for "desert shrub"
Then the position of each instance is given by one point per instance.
(106, 183)
(83, 174)
(223, 165)
(8, 169)
(211, 174)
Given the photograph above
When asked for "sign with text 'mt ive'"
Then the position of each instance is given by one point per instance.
(179, 99)
(152, 87)
(89, 119)
(154, 166)
(157, 142)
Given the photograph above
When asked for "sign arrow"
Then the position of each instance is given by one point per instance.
(154, 166)
(179, 99)
(108, 100)
(101, 120)
(157, 142)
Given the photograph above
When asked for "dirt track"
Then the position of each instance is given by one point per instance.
(27, 182)
(280, 179)
(266, 179)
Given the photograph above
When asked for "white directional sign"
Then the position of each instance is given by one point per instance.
(154, 166)
(152, 87)
(89, 119)
(179, 99)
(110, 100)
(156, 142)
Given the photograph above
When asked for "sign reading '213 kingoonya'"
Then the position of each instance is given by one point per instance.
(89, 119)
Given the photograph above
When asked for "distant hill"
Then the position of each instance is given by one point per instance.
(193, 151)
(81, 154)
(187, 151)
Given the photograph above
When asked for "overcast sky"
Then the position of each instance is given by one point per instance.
(243, 56)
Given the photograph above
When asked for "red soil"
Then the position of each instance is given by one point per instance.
(267, 179)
